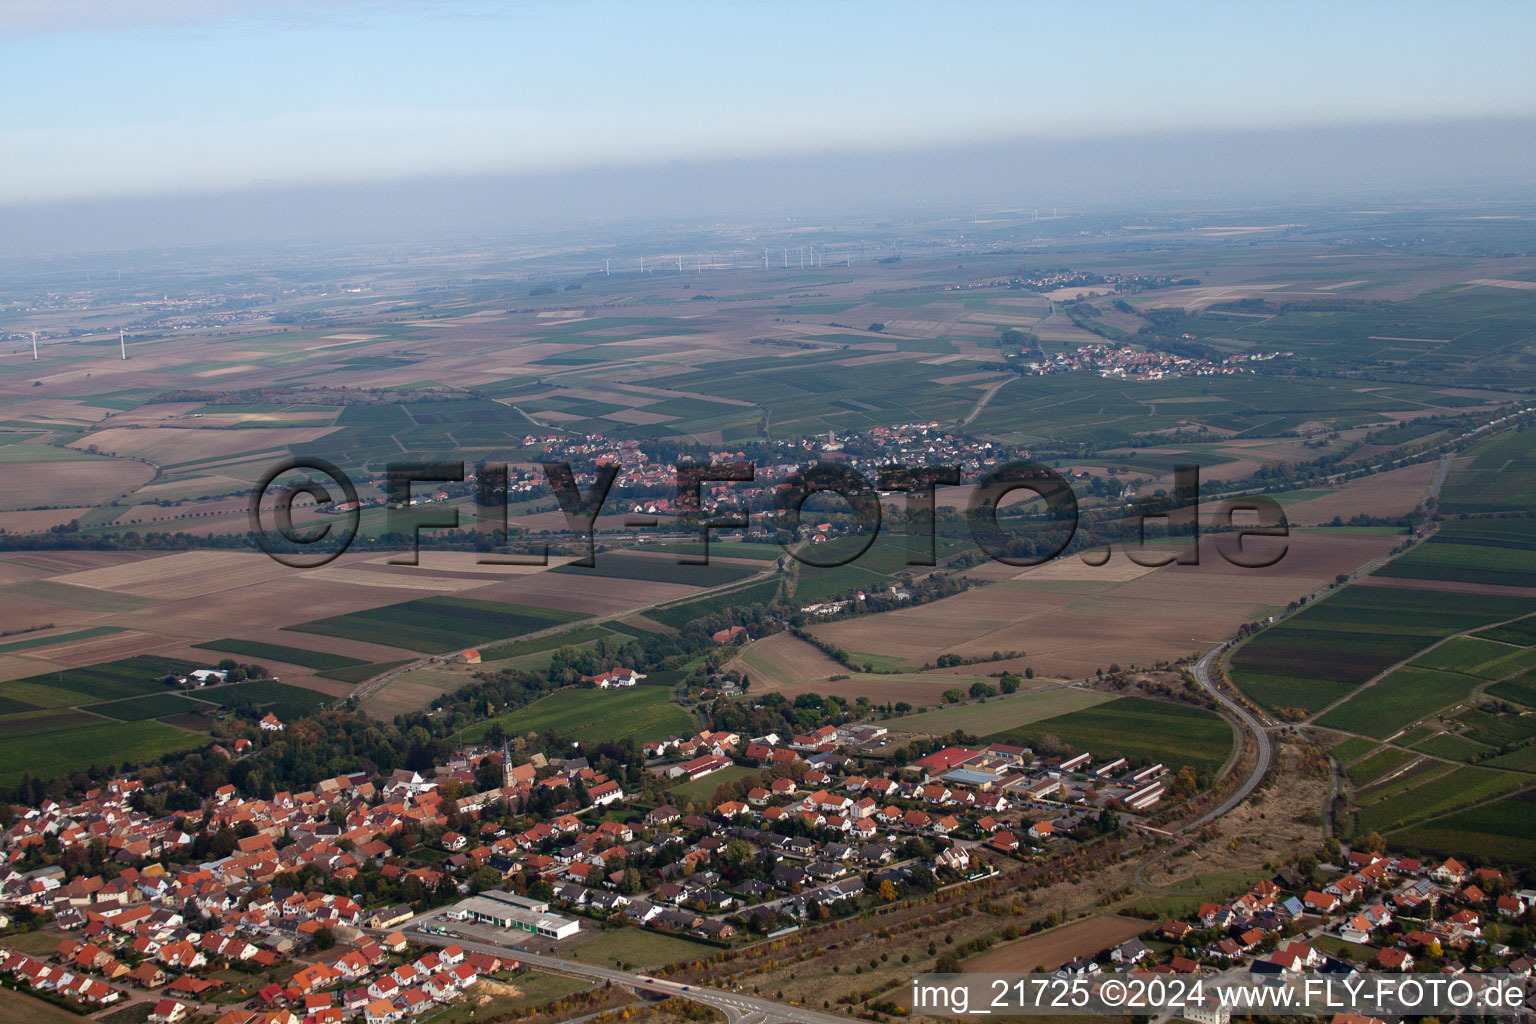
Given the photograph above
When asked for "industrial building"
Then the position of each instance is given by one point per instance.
(502, 909)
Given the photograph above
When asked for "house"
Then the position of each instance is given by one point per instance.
(469, 657)
(270, 723)
(1129, 952)
(613, 679)
(1320, 902)
(729, 635)
(1042, 830)
(168, 1011)
(1452, 872)
(1393, 959)
(666, 814)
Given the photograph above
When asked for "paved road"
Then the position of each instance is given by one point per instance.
(738, 1008)
(1202, 673)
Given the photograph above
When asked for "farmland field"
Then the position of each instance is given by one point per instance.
(1318, 655)
(1503, 831)
(362, 672)
(679, 615)
(519, 648)
(1351, 749)
(1378, 764)
(1138, 729)
(1000, 713)
(1453, 747)
(437, 625)
(1460, 787)
(1501, 477)
(660, 569)
(1475, 657)
(130, 677)
(57, 638)
(155, 705)
(278, 652)
(592, 716)
(284, 701)
(1398, 700)
(1521, 690)
(45, 753)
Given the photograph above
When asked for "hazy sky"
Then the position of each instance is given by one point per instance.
(126, 98)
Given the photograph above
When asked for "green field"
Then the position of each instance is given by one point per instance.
(284, 701)
(1522, 633)
(1471, 553)
(48, 753)
(625, 566)
(363, 672)
(1476, 657)
(1318, 655)
(719, 548)
(1398, 700)
(679, 615)
(699, 791)
(520, 648)
(1452, 747)
(1352, 748)
(1500, 478)
(1521, 690)
(1438, 795)
(1378, 764)
(1497, 730)
(1142, 730)
(438, 625)
(592, 716)
(279, 652)
(637, 948)
(155, 705)
(1000, 713)
(57, 638)
(1503, 831)
(131, 677)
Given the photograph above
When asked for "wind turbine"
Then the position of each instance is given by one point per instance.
(122, 344)
(34, 345)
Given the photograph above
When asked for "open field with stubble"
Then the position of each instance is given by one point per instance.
(1070, 628)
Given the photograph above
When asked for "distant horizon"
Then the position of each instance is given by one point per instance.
(176, 97)
(1485, 160)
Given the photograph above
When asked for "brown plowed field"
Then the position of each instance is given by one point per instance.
(1069, 629)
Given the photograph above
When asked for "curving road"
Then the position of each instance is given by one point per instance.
(1201, 670)
(738, 1008)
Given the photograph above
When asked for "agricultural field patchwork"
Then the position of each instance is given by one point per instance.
(1319, 655)
(1138, 729)
(437, 625)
